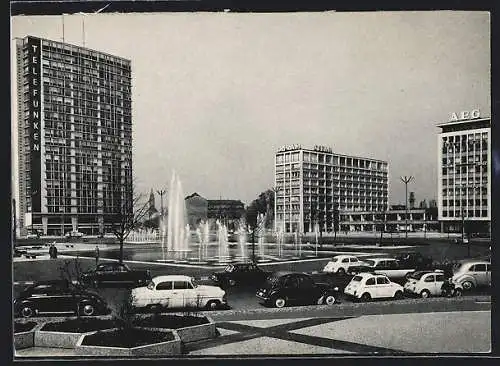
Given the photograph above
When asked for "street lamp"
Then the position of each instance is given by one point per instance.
(406, 179)
(161, 192)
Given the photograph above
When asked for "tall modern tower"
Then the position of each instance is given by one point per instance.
(74, 136)
(464, 173)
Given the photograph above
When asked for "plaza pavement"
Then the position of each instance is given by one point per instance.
(460, 332)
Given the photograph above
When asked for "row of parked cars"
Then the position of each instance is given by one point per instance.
(374, 278)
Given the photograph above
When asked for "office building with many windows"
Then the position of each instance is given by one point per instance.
(74, 136)
(464, 173)
(311, 184)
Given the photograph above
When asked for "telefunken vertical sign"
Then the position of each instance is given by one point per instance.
(34, 88)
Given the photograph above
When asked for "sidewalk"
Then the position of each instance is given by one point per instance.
(444, 332)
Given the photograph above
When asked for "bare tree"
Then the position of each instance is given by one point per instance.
(70, 271)
(127, 213)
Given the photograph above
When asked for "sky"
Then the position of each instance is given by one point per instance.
(214, 95)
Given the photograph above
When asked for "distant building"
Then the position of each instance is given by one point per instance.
(392, 220)
(464, 174)
(312, 183)
(225, 209)
(196, 209)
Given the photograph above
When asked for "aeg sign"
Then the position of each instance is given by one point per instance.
(465, 115)
(34, 99)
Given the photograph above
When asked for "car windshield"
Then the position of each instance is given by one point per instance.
(272, 280)
(229, 268)
(369, 262)
(417, 275)
(357, 279)
(335, 259)
(193, 281)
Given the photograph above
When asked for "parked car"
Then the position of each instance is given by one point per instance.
(414, 260)
(115, 274)
(177, 292)
(33, 236)
(341, 264)
(74, 234)
(58, 297)
(290, 288)
(389, 267)
(367, 286)
(240, 273)
(425, 283)
(472, 273)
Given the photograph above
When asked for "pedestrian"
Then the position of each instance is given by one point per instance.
(55, 251)
(51, 251)
(96, 255)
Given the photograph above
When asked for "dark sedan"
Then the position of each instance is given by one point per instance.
(115, 274)
(291, 288)
(58, 297)
(240, 274)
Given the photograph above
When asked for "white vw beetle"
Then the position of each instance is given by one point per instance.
(177, 292)
(367, 286)
(425, 283)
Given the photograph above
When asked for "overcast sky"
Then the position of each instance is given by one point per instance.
(216, 94)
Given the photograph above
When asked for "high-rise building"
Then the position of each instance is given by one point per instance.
(464, 174)
(311, 184)
(74, 136)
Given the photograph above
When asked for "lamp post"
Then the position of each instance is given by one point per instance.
(161, 192)
(406, 179)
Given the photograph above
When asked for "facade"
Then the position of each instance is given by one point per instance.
(196, 209)
(392, 220)
(312, 183)
(225, 209)
(464, 173)
(74, 136)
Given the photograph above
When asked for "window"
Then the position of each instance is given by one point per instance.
(304, 282)
(180, 285)
(382, 281)
(164, 286)
(354, 260)
(370, 281)
(429, 278)
(345, 260)
(479, 268)
(488, 268)
(440, 278)
(290, 282)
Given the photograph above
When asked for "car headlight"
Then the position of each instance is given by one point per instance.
(336, 289)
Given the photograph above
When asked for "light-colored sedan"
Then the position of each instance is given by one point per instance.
(425, 283)
(340, 264)
(177, 292)
(367, 286)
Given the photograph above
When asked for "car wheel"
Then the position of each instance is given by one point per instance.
(425, 294)
(87, 309)
(467, 285)
(27, 311)
(329, 300)
(232, 282)
(279, 302)
(341, 271)
(398, 295)
(212, 304)
(366, 297)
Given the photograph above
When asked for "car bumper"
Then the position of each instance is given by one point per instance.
(263, 299)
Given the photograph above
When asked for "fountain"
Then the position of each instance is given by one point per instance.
(223, 252)
(242, 240)
(178, 232)
(280, 236)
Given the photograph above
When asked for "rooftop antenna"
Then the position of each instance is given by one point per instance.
(62, 18)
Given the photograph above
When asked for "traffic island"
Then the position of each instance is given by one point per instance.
(66, 334)
(191, 328)
(24, 334)
(133, 341)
